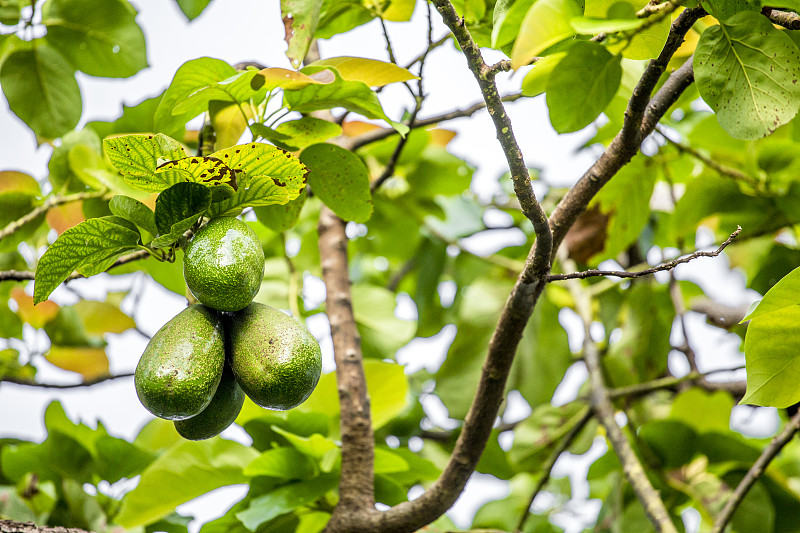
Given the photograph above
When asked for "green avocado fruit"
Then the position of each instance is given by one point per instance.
(181, 367)
(224, 264)
(277, 362)
(220, 413)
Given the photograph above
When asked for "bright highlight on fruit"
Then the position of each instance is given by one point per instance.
(224, 264)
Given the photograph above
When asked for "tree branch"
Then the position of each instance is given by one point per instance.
(88, 383)
(755, 472)
(380, 134)
(669, 265)
(50, 203)
(356, 486)
(787, 19)
(10, 526)
(601, 402)
(582, 418)
(28, 275)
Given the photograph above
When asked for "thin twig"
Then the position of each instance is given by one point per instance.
(432, 46)
(28, 275)
(50, 203)
(723, 170)
(669, 265)
(601, 402)
(755, 472)
(582, 417)
(87, 383)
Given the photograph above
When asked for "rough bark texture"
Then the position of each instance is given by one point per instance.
(9, 526)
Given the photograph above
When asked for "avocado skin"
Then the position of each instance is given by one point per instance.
(181, 367)
(277, 362)
(224, 264)
(220, 413)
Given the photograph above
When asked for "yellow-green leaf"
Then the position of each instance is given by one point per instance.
(102, 317)
(89, 362)
(371, 71)
(546, 23)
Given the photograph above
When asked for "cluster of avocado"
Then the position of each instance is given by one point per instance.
(197, 369)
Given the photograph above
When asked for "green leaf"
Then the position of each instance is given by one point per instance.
(354, 96)
(271, 176)
(340, 179)
(771, 346)
(626, 200)
(280, 218)
(382, 333)
(192, 8)
(507, 18)
(715, 406)
(546, 23)
(371, 71)
(138, 156)
(90, 247)
(135, 211)
(98, 38)
(748, 72)
(284, 462)
(725, 9)
(300, 18)
(535, 81)
(782, 295)
(240, 87)
(183, 472)
(134, 119)
(190, 77)
(41, 90)
(673, 443)
(285, 499)
(387, 386)
(306, 131)
(178, 209)
(582, 85)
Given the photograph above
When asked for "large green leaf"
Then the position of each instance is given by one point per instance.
(90, 247)
(772, 346)
(135, 211)
(285, 499)
(582, 85)
(748, 72)
(190, 77)
(354, 96)
(270, 176)
(41, 90)
(138, 156)
(183, 472)
(340, 179)
(178, 209)
(300, 18)
(546, 23)
(98, 38)
(238, 88)
(382, 333)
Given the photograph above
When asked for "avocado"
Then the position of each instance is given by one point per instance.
(220, 413)
(181, 366)
(224, 264)
(277, 362)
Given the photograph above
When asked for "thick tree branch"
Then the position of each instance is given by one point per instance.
(787, 19)
(755, 472)
(53, 201)
(87, 383)
(669, 265)
(356, 492)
